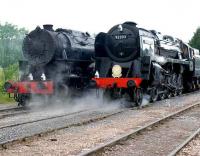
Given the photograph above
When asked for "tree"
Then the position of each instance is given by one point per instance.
(195, 41)
(9, 31)
(2, 77)
(11, 38)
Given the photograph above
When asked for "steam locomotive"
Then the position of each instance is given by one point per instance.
(56, 62)
(132, 61)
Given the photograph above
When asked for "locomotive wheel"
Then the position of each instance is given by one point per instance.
(138, 96)
(153, 95)
(162, 96)
(175, 93)
(169, 94)
(193, 86)
(22, 103)
(97, 93)
(189, 87)
(180, 92)
(62, 93)
(107, 95)
(22, 100)
(198, 85)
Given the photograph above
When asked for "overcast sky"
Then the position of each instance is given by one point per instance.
(179, 18)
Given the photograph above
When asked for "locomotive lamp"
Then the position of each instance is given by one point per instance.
(43, 77)
(120, 28)
(117, 71)
(97, 74)
(30, 76)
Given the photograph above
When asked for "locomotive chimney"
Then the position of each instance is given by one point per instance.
(130, 23)
(48, 27)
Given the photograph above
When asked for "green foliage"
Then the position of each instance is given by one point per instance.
(2, 76)
(10, 51)
(4, 98)
(12, 72)
(195, 41)
(9, 73)
(9, 31)
(11, 38)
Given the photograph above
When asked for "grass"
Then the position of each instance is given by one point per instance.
(4, 98)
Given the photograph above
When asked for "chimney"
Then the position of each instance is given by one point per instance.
(130, 23)
(48, 27)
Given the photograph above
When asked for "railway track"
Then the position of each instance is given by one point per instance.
(12, 127)
(13, 111)
(173, 97)
(184, 143)
(43, 119)
(152, 138)
(5, 142)
(10, 109)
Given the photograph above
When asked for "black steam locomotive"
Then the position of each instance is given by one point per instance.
(56, 62)
(132, 61)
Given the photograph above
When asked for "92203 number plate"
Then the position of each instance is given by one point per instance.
(120, 37)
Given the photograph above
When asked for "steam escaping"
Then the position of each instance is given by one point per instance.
(88, 101)
(146, 100)
(56, 105)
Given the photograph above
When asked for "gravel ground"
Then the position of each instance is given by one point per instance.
(30, 129)
(192, 149)
(77, 139)
(159, 140)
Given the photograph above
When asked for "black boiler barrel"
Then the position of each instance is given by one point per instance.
(42, 46)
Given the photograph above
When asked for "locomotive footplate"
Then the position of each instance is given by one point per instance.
(117, 82)
(29, 87)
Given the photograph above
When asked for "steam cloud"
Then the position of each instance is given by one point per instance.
(56, 105)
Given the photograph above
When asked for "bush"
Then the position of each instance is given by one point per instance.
(9, 73)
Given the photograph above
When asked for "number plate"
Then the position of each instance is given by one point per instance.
(120, 37)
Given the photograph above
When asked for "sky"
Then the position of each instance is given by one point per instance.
(179, 18)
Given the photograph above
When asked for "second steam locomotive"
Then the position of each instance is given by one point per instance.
(132, 61)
